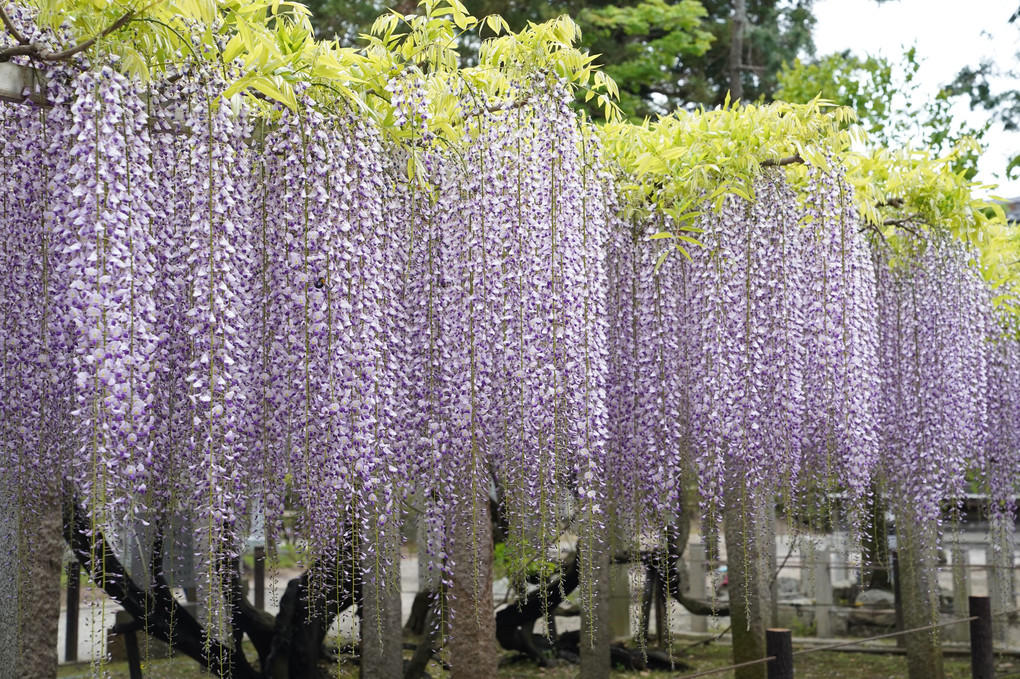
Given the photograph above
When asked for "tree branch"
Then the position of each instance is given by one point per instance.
(790, 160)
(37, 51)
(70, 52)
(515, 624)
(8, 53)
(154, 609)
(307, 609)
(903, 224)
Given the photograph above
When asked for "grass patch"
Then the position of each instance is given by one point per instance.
(822, 665)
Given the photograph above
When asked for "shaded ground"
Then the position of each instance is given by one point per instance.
(823, 665)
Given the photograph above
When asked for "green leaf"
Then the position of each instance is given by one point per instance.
(661, 259)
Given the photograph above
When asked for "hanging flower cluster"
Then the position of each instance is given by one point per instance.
(650, 389)
(753, 362)
(1003, 445)
(1002, 449)
(935, 311)
(106, 260)
(840, 325)
(505, 293)
(204, 312)
(258, 314)
(34, 374)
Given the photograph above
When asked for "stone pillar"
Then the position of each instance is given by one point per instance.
(618, 600)
(428, 578)
(1000, 588)
(822, 577)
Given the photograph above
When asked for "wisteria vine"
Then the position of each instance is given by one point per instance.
(219, 313)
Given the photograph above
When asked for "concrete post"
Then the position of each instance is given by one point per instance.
(619, 600)
(596, 634)
(823, 593)
(1000, 588)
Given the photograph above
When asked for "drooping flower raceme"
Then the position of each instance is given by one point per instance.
(934, 313)
(104, 248)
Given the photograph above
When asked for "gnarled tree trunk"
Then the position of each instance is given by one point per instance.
(288, 646)
(472, 641)
(750, 600)
(41, 557)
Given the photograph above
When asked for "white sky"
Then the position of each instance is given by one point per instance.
(948, 35)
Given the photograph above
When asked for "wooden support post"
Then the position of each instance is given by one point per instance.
(982, 658)
(747, 544)
(699, 590)
(71, 619)
(823, 594)
(772, 566)
(916, 577)
(647, 596)
(259, 564)
(472, 619)
(10, 604)
(901, 640)
(779, 644)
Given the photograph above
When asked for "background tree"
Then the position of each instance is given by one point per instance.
(978, 85)
(888, 102)
(644, 47)
(663, 53)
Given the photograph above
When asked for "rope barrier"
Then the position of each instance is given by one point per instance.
(1009, 612)
(852, 642)
(842, 644)
(805, 564)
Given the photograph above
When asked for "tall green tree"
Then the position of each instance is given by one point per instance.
(984, 87)
(889, 104)
(773, 32)
(645, 48)
(662, 53)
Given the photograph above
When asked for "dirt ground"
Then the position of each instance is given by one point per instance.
(822, 665)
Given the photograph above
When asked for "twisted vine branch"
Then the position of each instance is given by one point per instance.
(34, 50)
